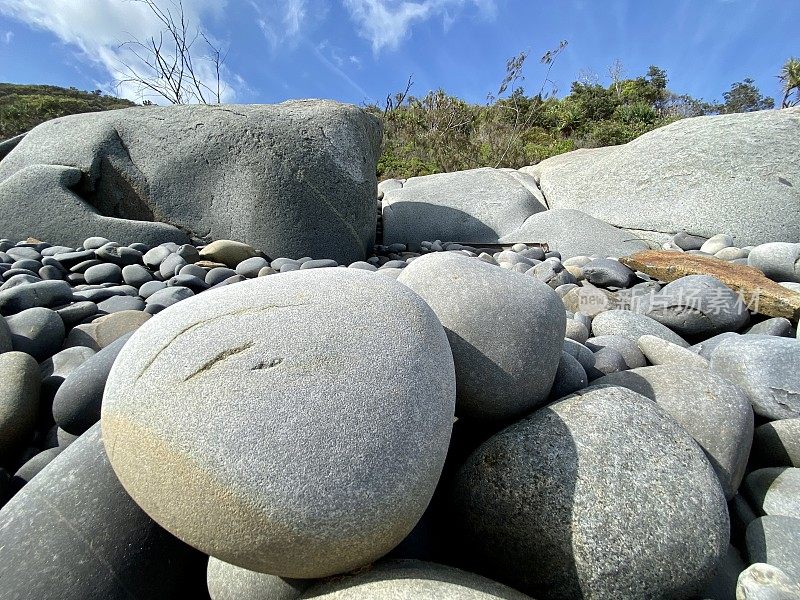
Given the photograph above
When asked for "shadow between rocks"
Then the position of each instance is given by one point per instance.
(413, 222)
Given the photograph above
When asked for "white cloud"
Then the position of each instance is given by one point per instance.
(100, 28)
(281, 21)
(386, 23)
(7, 36)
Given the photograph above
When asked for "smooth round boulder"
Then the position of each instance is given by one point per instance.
(229, 582)
(714, 411)
(58, 367)
(605, 272)
(76, 406)
(73, 532)
(36, 331)
(775, 540)
(413, 580)
(570, 377)
(774, 491)
(767, 368)
(227, 252)
(777, 444)
(19, 400)
(599, 495)
(698, 305)
(251, 421)
(103, 273)
(661, 352)
(505, 330)
(779, 261)
(633, 326)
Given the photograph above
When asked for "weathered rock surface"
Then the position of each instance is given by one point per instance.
(566, 503)
(54, 209)
(479, 205)
(73, 533)
(291, 179)
(715, 412)
(774, 491)
(761, 581)
(276, 444)
(505, 330)
(735, 173)
(767, 368)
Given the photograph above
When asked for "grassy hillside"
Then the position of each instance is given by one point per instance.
(22, 107)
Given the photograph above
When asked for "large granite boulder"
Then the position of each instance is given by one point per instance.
(475, 206)
(599, 495)
(295, 425)
(291, 179)
(735, 173)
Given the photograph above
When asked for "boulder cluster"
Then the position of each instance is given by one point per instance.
(496, 417)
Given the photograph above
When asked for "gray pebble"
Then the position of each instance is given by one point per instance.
(103, 273)
(36, 331)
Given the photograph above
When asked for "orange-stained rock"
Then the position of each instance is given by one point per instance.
(761, 294)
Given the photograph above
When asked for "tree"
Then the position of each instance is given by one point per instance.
(790, 80)
(744, 96)
(615, 72)
(169, 64)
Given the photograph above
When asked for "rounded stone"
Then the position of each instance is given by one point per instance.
(73, 532)
(228, 252)
(633, 326)
(661, 352)
(605, 272)
(767, 368)
(76, 405)
(715, 412)
(775, 540)
(104, 330)
(761, 581)
(219, 274)
(698, 305)
(778, 326)
(167, 297)
(103, 273)
(37, 331)
(779, 261)
(136, 275)
(599, 495)
(570, 377)
(777, 444)
(19, 400)
(686, 241)
(59, 366)
(774, 491)
(716, 243)
(34, 465)
(505, 330)
(258, 411)
(150, 288)
(628, 348)
(37, 294)
(229, 582)
(93, 243)
(576, 331)
(412, 580)
(580, 352)
(120, 303)
(72, 314)
(251, 266)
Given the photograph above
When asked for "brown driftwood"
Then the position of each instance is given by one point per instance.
(758, 292)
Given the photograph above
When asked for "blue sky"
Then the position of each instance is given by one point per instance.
(359, 50)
